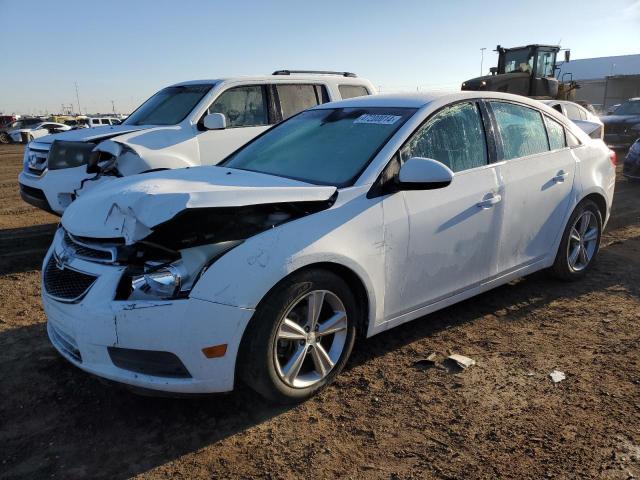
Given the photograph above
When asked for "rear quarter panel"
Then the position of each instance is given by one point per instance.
(597, 175)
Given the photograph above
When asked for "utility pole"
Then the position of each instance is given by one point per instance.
(113, 107)
(78, 99)
(482, 58)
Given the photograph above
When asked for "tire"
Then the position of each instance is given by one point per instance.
(5, 138)
(265, 353)
(576, 239)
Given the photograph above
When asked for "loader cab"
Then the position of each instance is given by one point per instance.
(528, 70)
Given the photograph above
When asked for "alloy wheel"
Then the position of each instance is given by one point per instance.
(583, 240)
(310, 339)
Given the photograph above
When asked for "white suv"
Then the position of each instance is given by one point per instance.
(92, 122)
(187, 124)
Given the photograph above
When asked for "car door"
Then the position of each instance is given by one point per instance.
(441, 242)
(247, 112)
(537, 172)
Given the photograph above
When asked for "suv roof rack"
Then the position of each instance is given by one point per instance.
(320, 72)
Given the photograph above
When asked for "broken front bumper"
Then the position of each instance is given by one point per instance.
(56, 186)
(92, 330)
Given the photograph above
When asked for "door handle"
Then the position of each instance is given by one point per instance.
(560, 176)
(491, 201)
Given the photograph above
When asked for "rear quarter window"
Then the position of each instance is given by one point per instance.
(556, 134)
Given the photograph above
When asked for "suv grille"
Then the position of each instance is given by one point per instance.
(65, 284)
(86, 252)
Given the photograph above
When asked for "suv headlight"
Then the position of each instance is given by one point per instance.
(65, 154)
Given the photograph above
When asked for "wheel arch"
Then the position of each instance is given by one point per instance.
(600, 200)
(354, 282)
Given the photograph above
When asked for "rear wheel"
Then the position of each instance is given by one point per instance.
(580, 242)
(300, 337)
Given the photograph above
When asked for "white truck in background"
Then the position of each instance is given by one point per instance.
(187, 124)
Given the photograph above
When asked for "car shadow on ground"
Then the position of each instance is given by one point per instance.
(82, 423)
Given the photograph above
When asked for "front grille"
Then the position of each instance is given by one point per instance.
(65, 284)
(64, 342)
(86, 252)
(148, 362)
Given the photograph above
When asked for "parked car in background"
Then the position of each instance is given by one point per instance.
(587, 106)
(92, 122)
(622, 127)
(6, 119)
(25, 122)
(579, 114)
(631, 167)
(28, 134)
(611, 109)
(354, 216)
(184, 125)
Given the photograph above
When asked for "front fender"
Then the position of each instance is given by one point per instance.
(349, 235)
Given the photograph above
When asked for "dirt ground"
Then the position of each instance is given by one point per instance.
(384, 418)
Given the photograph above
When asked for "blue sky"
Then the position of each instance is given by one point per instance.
(126, 50)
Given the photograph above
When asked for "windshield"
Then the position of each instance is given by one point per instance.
(323, 146)
(628, 108)
(518, 61)
(169, 106)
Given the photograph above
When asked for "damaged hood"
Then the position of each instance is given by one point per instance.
(92, 134)
(130, 207)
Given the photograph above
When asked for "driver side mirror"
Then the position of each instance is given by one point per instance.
(419, 173)
(215, 121)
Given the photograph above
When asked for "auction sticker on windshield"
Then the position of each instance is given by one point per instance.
(377, 119)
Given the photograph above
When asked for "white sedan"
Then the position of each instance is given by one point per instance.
(586, 120)
(39, 130)
(351, 217)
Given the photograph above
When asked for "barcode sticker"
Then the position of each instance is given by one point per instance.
(377, 119)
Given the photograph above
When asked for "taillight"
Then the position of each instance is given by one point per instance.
(613, 157)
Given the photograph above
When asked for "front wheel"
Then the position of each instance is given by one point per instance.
(300, 338)
(580, 242)
(5, 138)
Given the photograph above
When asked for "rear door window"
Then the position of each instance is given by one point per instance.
(243, 106)
(350, 91)
(556, 134)
(297, 97)
(454, 136)
(521, 130)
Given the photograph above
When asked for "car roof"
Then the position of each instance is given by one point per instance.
(277, 78)
(422, 99)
